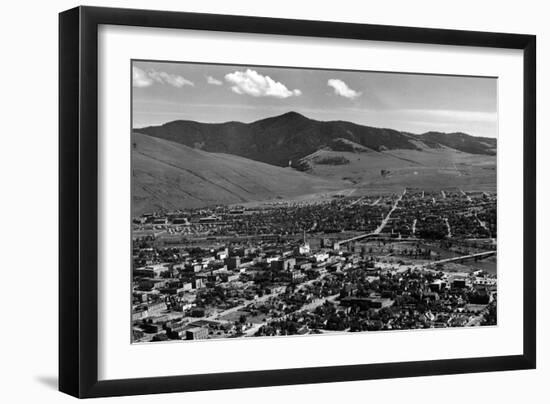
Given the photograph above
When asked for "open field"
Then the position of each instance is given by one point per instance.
(427, 169)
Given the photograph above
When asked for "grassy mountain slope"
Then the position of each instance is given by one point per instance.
(391, 170)
(169, 176)
(291, 136)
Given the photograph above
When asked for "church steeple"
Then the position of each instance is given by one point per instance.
(304, 248)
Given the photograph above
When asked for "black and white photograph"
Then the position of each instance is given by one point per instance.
(275, 201)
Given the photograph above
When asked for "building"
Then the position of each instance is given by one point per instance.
(304, 266)
(173, 327)
(197, 312)
(326, 243)
(145, 272)
(194, 267)
(160, 221)
(139, 315)
(196, 333)
(304, 248)
(232, 278)
(321, 257)
(437, 285)
(485, 282)
(210, 219)
(180, 221)
(366, 302)
(222, 255)
(150, 271)
(150, 328)
(158, 319)
(283, 264)
(459, 283)
(233, 262)
(156, 308)
(292, 276)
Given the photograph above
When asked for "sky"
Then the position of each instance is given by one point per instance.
(168, 91)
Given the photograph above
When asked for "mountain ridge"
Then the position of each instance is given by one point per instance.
(292, 136)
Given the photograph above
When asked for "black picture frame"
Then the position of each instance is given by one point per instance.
(78, 196)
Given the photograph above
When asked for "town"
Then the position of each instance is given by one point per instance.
(411, 260)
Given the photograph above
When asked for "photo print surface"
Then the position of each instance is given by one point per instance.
(276, 201)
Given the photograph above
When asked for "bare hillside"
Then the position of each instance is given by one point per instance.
(169, 176)
(393, 169)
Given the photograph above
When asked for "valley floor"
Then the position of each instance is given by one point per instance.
(413, 260)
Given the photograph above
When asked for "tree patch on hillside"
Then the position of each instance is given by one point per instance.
(331, 160)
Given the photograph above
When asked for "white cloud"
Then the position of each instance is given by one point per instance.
(213, 81)
(171, 79)
(140, 78)
(252, 83)
(342, 89)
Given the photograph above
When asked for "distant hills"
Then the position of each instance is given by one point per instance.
(186, 164)
(292, 136)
